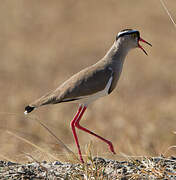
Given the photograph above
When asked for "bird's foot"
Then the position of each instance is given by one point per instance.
(111, 147)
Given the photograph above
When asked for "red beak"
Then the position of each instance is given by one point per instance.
(140, 39)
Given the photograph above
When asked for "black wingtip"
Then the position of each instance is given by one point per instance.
(28, 109)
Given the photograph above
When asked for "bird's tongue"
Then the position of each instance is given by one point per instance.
(142, 40)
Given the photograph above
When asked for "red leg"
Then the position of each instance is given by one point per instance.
(90, 132)
(74, 132)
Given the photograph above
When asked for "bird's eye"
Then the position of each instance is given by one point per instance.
(134, 35)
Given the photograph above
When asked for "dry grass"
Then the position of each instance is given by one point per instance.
(97, 168)
(43, 43)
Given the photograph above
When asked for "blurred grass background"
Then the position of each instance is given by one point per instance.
(43, 43)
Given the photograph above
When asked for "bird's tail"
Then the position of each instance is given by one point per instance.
(28, 109)
(44, 100)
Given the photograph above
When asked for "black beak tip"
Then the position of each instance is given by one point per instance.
(150, 44)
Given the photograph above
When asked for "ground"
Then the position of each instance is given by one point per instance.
(97, 168)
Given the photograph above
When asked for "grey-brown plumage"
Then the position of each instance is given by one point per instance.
(93, 79)
(93, 82)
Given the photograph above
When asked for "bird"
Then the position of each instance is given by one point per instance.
(93, 82)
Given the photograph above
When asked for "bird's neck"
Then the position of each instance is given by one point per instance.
(117, 52)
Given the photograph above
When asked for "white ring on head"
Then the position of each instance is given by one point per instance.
(124, 32)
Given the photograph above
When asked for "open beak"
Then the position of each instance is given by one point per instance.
(140, 39)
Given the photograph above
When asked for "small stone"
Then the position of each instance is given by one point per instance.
(99, 160)
(56, 163)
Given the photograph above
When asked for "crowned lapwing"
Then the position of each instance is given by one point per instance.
(93, 82)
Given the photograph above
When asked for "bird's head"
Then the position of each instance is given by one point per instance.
(131, 38)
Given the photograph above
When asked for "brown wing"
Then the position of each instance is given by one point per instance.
(86, 82)
(93, 81)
